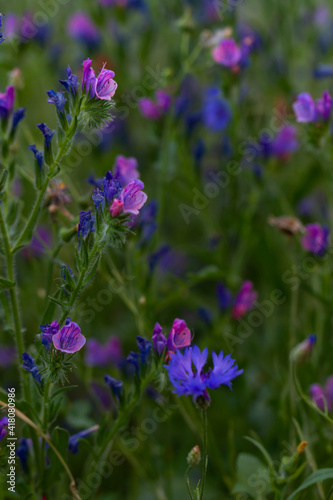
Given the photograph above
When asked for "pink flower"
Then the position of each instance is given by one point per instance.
(126, 169)
(69, 338)
(149, 109)
(244, 300)
(163, 100)
(7, 102)
(105, 86)
(116, 207)
(227, 53)
(179, 336)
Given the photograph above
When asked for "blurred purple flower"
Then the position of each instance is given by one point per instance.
(305, 108)
(224, 296)
(3, 424)
(7, 102)
(7, 356)
(227, 53)
(316, 239)
(149, 109)
(324, 106)
(244, 300)
(98, 354)
(82, 29)
(323, 396)
(125, 170)
(41, 239)
(216, 111)
(285, 142)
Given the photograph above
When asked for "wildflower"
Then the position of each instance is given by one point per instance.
(285, 142)
(103, 87)
(71, 83)
(1, 37)
(73, 442)
(18, 116)
(149, 109)
(3, 424)
(323, 396)
(47, 133)
(69, 339)
(111, 187)
(227, 53)
(163, 100)
(216, 110)
(57, 98)
(194, 382)
(244, 300)
(98, 199)
(98, 354)
(115, 385)
(316, 239)
(48, 331)
(224, 297)
(7, 102)
(86, 225)
(126, 169)
(30, 365)
(88, 79)
(144, 348)
(159, 340)
(324, 106)
(287, 225)
(194, 456)
(179, 336)
(7, 356)
(302, 351)
(81, 28)
(130, 199)
(305, 108)
(39, 155)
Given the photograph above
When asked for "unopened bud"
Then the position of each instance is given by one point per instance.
(194, 456)
(302, 351)
(301, 447)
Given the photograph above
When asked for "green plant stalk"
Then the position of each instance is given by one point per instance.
(188, 482)
(204, 455)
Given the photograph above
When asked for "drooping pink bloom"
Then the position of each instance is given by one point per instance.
(116, 207)
(244, 300)
(227, 53)
(69, 339)
(126, 169)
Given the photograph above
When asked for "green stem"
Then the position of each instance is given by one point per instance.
(204, 456)
(188, 483)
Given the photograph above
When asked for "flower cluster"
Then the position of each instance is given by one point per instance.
(308, 110)
(179, 337)
(188, 378)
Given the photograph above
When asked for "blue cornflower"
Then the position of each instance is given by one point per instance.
(30, 365)
(73, 442)
(98, 199)
(111, 187)
(144, 348)
(71, 83)
(47, 133)
(192, 381)
(115, 385)
(86, 224)
(39, 155)
(57, 98)
(216, 110)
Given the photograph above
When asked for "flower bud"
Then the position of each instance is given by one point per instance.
(194, 456)
(302, 352)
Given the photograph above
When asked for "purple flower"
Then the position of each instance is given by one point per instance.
(57, 98)
(216, 110)
(227, 53)
(3, 424)
(98, 354)
(224, 297)
(126, 169)
(48, 331)
(244, 300)
(30, 365)
(41, 239)
(179, 336)
(285, 142)
(1, 37)
(18, 116)
(7, 102)
(159, 340)
(324, 106)
(47, 133)
(71, 83)
(115, 385)
(111, 187)
(81, 28)
(73, 442)
(305, 108)
(69, 339)
(144, 348)
(316, 239)
(88, 79)
(86, 225)
(192, 381)
(22, 451)
(149, 109)
(323, 396)
(105, 86)
(130, 200)
(98, 199)
(7, 356)
(39, 155)
(163, 100)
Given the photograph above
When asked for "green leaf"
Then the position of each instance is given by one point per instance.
(92, 272)
(252, 476)
(59, 302)
(315, 477)
(4, 283)
(263, 451)
(48, 315)
(63, 389)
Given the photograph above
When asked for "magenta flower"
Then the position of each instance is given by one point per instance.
(244, 300)
(163, 100)
(105, 86)
(149, 109)
(130, 200)
(126, 169)
(305, 108)
(69, 339)
(7, 102)
(324, 106)
(227, 53)
(316, 239)
(323, 396)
